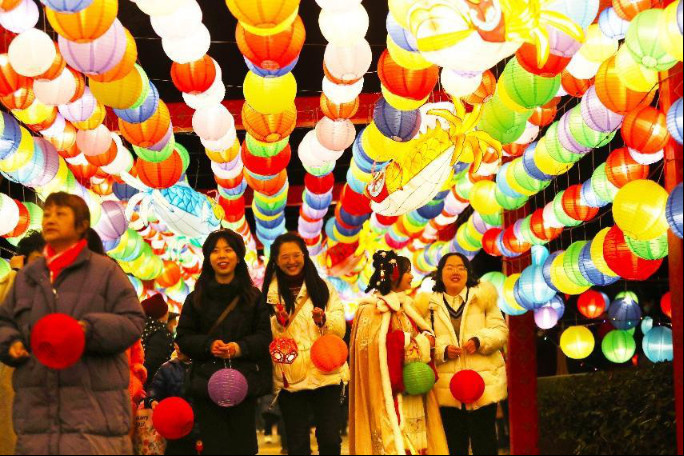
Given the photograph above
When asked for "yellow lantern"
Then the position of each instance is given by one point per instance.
(95, 119)
(224, 156)
(673, 43)
(264, 17)
(483, 199)
(596, 253)
(560, 279)
(400, 11)
(122, 93)
(509, 292)
(401, 103)
(634, 76)
(598, 47)
(639, 210)
(270, 95)
(34, 114)
(380, 148)
(406, 59)
(21, 156)
(546, 163)
(577, 342)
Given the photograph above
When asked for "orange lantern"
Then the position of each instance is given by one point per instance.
(234, 208)
(150, 132)
(575, 87)
(264, 14)
(341, 111)
(229, 183)
(170, 275)
(160, 175)
(621, 168)
(58, 65)
(645, 130)
(45, 123)
(65, 140)
(83, 172)
(527, 57)
(9, 5)
(514, 149)
(10, 80)
(23, 223)
(591, 304)
(272, 52)
(573, 206)
(404, 82)
(329, 353)
(542, 230)
(194, 77)
(80, 84)
(485, 91)
(627, 9)
(85, 25)
(267, 187)
(104, 188)
(105, 158)
(544, 115)
(614, 94)
(95, 119)
(19, 99)
(124, 67)
(269, 127)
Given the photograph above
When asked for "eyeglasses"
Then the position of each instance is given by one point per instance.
(456, 269)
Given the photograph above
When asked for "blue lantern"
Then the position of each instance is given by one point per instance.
(533, 289)
(657, 344)
(674, 121)
(398, 125)
(612, 25)
(646, 325)
(557, 304)
(530, 166)
(400, 35)
(67, 6)
(142, 113)
(624, 314)
(674, 211)
(264, 73)
(123, 191)
(546, 270)
(10, 137)
(590, 272)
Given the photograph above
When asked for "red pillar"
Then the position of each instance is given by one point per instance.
(522, 365)
(670, 91)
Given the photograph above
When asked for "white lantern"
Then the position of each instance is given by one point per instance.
(179, 24)
(123, 161)
(341, 93)
(212, 123)
(646, 159)
(9, 214)
(581, 68)
(223, 143)
(335, 134)
(212, 96)
(57, 127)
(94, 142)
(57, 91)
(549, 216)
(81, 109)
(225, 172)
(22, 18)
(460, 84)
(338, 5)
(348, 62)
(313, 154)
(346, 26)
(159, 7)
(190, 48)
(530, 134)
(32, 53)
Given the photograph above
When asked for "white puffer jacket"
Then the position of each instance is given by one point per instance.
(482, 319)
(302, 374)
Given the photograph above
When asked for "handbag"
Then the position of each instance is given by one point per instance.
(146, 440)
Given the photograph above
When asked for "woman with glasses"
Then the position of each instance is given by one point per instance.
(471, 334)
(303, 308)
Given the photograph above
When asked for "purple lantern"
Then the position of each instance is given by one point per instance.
(562, 44)
(674, 211)
(395, 124)
(596, 115)
(67, 6)
(81, 109)
(546, 317)
(566, 139)
(228, 388)
(51, 166)
(97, 56)
(113, 222)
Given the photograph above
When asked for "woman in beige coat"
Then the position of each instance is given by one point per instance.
(471, 333)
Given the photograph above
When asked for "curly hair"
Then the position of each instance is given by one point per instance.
(389, 269)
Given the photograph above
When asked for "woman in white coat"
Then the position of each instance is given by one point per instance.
(471, 334)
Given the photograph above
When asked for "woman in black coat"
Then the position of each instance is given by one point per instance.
(241, 339)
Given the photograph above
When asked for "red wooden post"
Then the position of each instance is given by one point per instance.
(522, 365)
(670, 91)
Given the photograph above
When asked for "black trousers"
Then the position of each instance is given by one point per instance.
(227, 430)
(327, 411)
(476, 428)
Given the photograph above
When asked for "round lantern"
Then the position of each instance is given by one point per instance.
(265, 17)
(160, 175)
(653, 249)
(674, 215)
(339, 111)
(618, 346)
(87, 24)
(657, 344)
(614, 94)
(624, 314)
(620, 259)
(612, 25)
(31, 53)
(674, 121)
(57, 341)
(22, 17)
(346, 63)
(173, 418)
(646, 325)
(270, 95)
(596, 115)
(177, 22)
(645, 38)
(329, 353)
(467, 386)
(546, 317)
(526, 89)
(154, 133)
(188, 48)
(575, 207)
(628, 9)
(666, 304)
(395, 124)
(272, 52)
(335, 134)
(228, 388)
(406, 83)
(419, 378)
(99, 55)
(344, 26)
(591, 304)
(639, 210)
(213, 123)
(622, 169)
(194, 77)
(269, 127)
(645, 129)
(577, 342)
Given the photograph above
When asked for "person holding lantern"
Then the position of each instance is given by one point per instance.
(223, 324)
(72, 378)
(471, 334)
(307, 319)
(392, 407)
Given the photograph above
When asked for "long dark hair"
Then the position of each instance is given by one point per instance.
(472, 281)
(384, 262)
(315, 285)
(242, 280)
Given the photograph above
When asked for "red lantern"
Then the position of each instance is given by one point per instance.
(527, 57)
(355, 203)
(514, 244)
(272, 52)
(628, 9)
(283, 350)
(575, 87)
(467, 386)
(229, 183)
(173, 418)
(266, 166)
(319, 185)
(10, 80)
(24, 221)
(170, 275)
(666, 304)
(194, 77)
(267, 187)
(591, 304)
(540, 229)
(269, 128)
(21, 98)
(57, 341)
(404, 82)
(489, 242)
(160, 175)
(572, 205)
(386, 220)
(234, 208)
(614, 94)
(622, 169)
(338, 112)
(329, 353)
(514, 150)
(83, 172)
(485, 91)
(313, 241)
(150, 132)
(645, 130)
(622, 261)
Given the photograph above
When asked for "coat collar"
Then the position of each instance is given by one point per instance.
(273, 296)
(38, 270)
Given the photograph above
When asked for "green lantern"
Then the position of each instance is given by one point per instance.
(262, 149)
(319, 171)
(184, 156)
(644, 40)
(600, 184)
(526, 89)
(526, 181)
(584, 135)
(35, 216)
(654, 249)
(571, 264)
(495, 220)
(464, 187)
(419, 378)
(501, 122)
(155, 156)
(508, 202)
(556, 149)
(618, 346)
(560, 213)
(4, 268)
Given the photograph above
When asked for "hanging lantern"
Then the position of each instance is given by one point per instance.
(628, 9)
(32, 53)
(97, 56)
(645, 38)
(657, 345)
(614, 94)
(674, 211)
(270, 95)
(485, 91)
(622, 169)
(412, 84)
(272, 52)
(194, 77)
(87, 24)
(639, 210)
(653, 249)
(645, 129)
(618, 346)
(620, 259)
(575, 87)
(347, 63)
(674, 120)
(265, 17)
(666, 304)
(527, 89)
(398, 125)
(575, 207)
(173, 418)
(577, 342)
(160, 175)
(339, 111)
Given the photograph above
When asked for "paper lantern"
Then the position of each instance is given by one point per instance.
(31, 53)
(335, 134)
(618, 346)
(614, 94)
(527, 57)
(124, 93)
(125, 65)
(620, 259)
(546, 317)
(395, 124)
(419, 378)
(339, 111)
(272, 52)
(345, 26)
(574, 206)
(270, 95)
(170, 276)
(657, 344)
(645, 38)
(646, 325)
(591, 304)
(347, 63)
(228, 388)
(269, 127)
(412, 84)
(10, 80)
(188, 48)
(57, 341)
(666, 304)
(458, 84)
(645, 129)
(177, 22)
(150, 132)
(596, 115)
(573, 86)
(674, 211)
(526, 89)
(160, 175)
(639, 210)
(612, 25)
(531, 285)
(266, 166)
(99, 55)
(173, 418)
(22, 17)
(329, 353)
(194, 77)
(467, 386)
(501, 122)
(653, 249)
(67, 6)
(628, 9)
(266, 17)
(622, 169)
(213, 123)
(674, 121)
(485, 91)
(577, 342)
(87, 24)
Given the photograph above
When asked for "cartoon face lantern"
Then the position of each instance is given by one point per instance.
(283, 350)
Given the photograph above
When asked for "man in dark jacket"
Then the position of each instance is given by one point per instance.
(85, 408)
(157, 341)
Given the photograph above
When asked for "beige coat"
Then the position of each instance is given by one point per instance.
(8, 439)
(302, 374)
(482, 319)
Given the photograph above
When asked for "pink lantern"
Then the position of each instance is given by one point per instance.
(57, 91)
(335, 134)
(347, 63)
(97, 56)
(94, 142)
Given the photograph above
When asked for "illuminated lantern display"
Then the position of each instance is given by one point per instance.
(657, 344)
(591, 304)
(618, 346)
(620, 259)
(577, 342)
(645, 129)
(674, 212)
(272, 52)
(639, 210)
(666, 304)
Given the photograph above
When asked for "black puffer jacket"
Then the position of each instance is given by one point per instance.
(248, 325)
